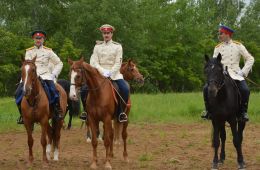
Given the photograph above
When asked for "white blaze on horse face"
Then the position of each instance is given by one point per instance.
(27, 67)
(73, 93)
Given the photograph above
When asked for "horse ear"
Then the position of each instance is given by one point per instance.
(81, 59)
(70, 61)
(219, 57)
(206, 58)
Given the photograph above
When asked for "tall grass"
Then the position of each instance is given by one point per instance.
(146, 108)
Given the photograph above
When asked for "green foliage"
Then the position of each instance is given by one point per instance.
(168, 39)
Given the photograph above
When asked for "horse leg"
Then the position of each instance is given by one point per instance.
(44, 126)
(223, 142)
(56, 142)
(116, 130)
(124, 136)
(99, 135)
(93, 126)
(49, 142)
(88, 132)
(70, 119)
(108, 141)
(215, 142)
(28, 126)
(240, 159)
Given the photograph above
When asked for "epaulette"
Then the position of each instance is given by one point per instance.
(218, 45)
(116, 43)
(98, 42)
(47, 48)
(30, 48)
(237, 42)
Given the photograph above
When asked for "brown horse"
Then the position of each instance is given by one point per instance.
(130, 72)
(35, 109)
(100, 104)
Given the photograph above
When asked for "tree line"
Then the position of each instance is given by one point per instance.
(168, 39)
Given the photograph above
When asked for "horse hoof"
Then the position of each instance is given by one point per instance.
(88, 140)
(108, 166)
(214, 166)
(126, 159)
(93, 166)
(221, 162)
(242, 166)
(45, 164)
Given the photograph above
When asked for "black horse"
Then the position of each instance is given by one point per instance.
(224, 102)
(73, 106)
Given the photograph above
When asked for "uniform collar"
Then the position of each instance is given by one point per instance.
(228, 42)
(109, 42)
(35, 47)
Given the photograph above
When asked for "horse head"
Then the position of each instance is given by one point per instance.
(29, 75)
(131, 72)
(214, 75)
(76, 77)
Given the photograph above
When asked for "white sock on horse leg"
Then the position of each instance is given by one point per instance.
(48, 151)
(56, 154)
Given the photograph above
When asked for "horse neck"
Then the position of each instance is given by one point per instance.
(93, 79)
(36, 88)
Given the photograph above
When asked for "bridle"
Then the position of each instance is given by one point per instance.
(83, 79)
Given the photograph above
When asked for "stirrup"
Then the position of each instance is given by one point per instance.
(83, 116)
(205, 115)
(122, 117)
(19, 121)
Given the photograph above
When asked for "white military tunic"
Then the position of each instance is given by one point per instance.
(47, 61)
(108, 56)
(231, 53)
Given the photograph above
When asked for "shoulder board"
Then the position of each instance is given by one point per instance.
(218, 45)
(30, 48)
(99, 42)
(47, 48)
(116, 43)
(237, 42)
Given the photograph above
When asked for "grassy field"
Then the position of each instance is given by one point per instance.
(146, 108)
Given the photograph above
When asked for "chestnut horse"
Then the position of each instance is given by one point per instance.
(130, 72)
(35, 109)
(100, 104)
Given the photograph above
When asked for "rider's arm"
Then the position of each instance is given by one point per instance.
(118, 61)
(249, 59)
(94, 61)
(55, 60)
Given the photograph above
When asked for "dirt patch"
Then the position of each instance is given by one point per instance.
(150, 146)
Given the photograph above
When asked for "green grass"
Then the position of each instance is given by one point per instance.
(146, 108)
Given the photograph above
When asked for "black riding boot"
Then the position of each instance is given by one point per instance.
(20, 119)
(244, 114)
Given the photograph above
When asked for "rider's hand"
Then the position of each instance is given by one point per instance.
(107, 73)
(241, 73)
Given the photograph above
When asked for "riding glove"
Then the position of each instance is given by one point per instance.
(241, 73)
(107, 73)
